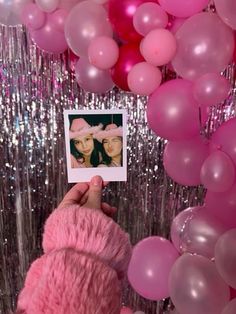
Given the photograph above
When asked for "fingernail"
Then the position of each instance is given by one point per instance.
(97, 181)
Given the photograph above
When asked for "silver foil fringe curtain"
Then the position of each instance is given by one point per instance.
(35, 88)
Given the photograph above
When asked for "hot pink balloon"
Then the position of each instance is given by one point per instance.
(196, 287)
(92, 79)
(150, 265)
(158, 47)
(226, 9)
(144, 78)
(58, 19)
(211, 88)
(48, 5)
(218, 172)
(195, 230)
(32, 16)
(223, 138)
(86, 21)
(149, 16)
(172, 112)
(103, 52)
(205, 45)
(183, 160)
(183, 8)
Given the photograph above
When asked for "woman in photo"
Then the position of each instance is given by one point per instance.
(85, 150)
(112, 142)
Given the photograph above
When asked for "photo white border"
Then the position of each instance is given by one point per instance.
(107, 173)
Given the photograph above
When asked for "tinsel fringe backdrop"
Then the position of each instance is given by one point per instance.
(35, 88)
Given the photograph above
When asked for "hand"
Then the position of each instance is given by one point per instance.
(88, 195)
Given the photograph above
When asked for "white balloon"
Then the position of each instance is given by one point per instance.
(10, 11)
(48, 5)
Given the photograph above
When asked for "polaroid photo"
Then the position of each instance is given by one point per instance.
(96, 144)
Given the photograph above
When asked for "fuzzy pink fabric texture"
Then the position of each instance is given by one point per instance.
(86, 254)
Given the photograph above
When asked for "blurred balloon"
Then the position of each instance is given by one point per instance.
(150, 265)
(205, 45)
(223, 138)
(92, 79)
(144, 78)
(129, 55)
(58, 18)
(149, 16)
(225, 257)
(196, 287)
(48, 37)
(172, 112)
(211, 88)
(230, 307)
(48, 5)
(32, 16)
(86, 21)
(226, 9)
(101, 1)
(183, 160)
(218, 172)
(183, 8)
(126, 310)
(11, 11)
(223, 206)
(158, 47)
(103, 52)
(195, 230)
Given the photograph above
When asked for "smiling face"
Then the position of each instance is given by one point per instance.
(112, 146)
(84, 144)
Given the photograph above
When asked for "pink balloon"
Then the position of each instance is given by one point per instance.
(126, 310)
(226, 9)
(230, 307)
(224, 139)
(103, 52)
(218, 172)
(172, 112)
(196, 287)
(58, 19)
(92, 79)
(183, 8)
(49, 38)
(223, 206)
(158, 47)
(11, 11)
(68, 4)
(183, 160)
(175, 24)
(149, 16)
(150, 265)
(225, 257)
(144, 78)
(205, 45)
(195, 230)
(47, 5)
(32, 16)
(86, 21)
(210, 89)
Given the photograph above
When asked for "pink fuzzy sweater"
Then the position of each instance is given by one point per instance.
(86, 255)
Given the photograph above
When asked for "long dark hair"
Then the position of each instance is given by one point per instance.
(107, 159)
(95, 156)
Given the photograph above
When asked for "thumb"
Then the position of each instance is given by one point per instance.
(94, 193)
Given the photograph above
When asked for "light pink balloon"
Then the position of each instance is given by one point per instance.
(223, 138)
(150, 265)
(175, 24)
(149, 16)
(211, 88)
(223, 206)
(183, 8)
(226, 9)
(225, 257)
(196, 287)
(101, 1)
(32, 16)
(86, 21)
(183, 160)
(68, 4)
(158, 47)
(92, 79)
(230, 307)
(205, 45)
(195, 230)
(103, 52)
(218, 172)
(47, 5)
(172, 112)
(144, 78)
